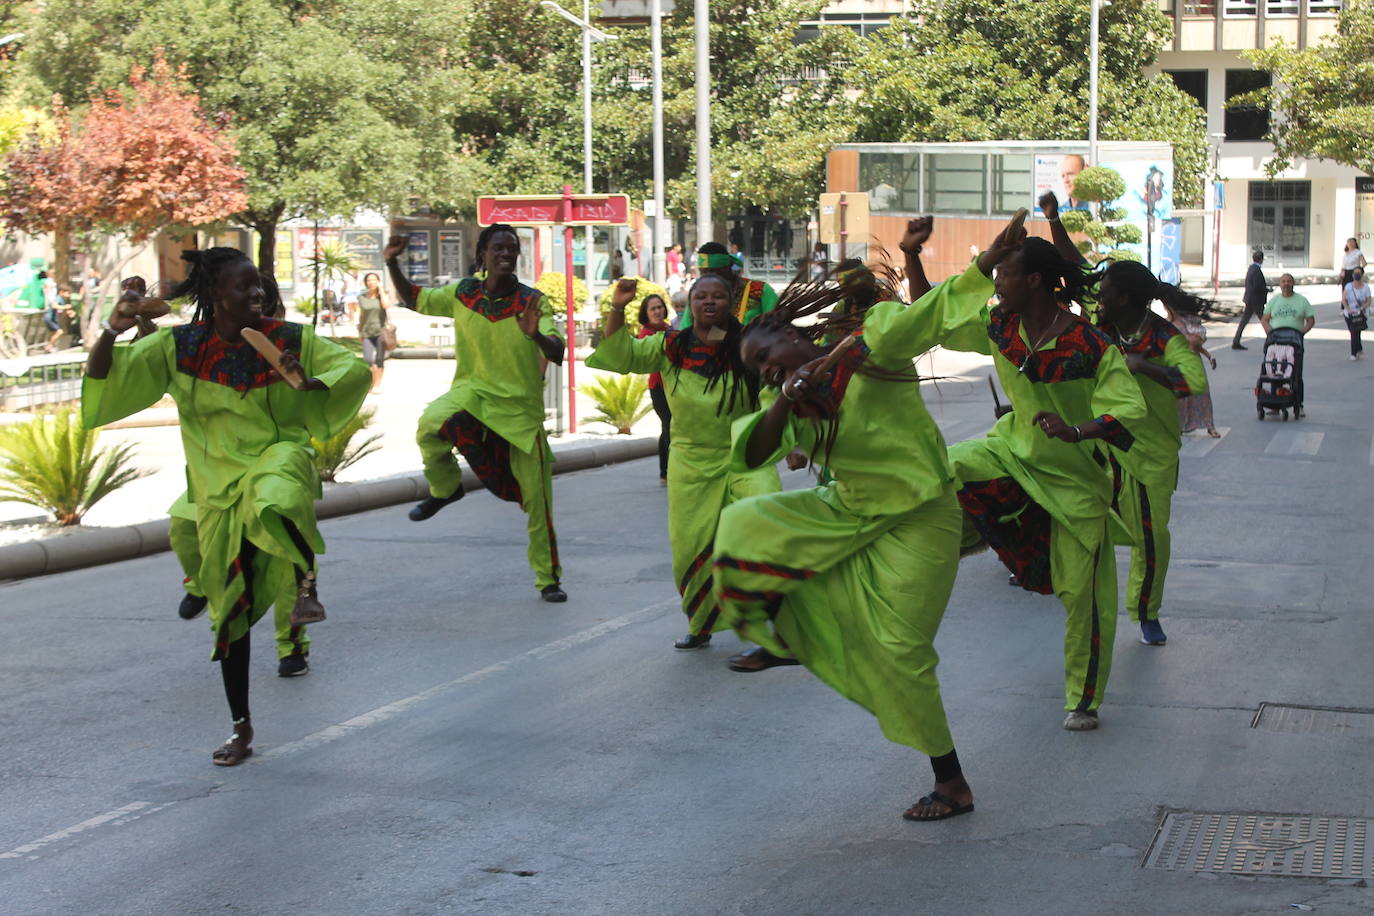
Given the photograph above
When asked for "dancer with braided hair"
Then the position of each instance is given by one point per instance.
(503, 332)
(1035, 488)
(249, 464)
(707, 387)
(852, 577)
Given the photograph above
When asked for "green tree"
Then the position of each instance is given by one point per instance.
(336, 104)
(1323, 96)
(1018, 70)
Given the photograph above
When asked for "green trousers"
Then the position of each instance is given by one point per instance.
(290, 640)
(508, 472)
(856, 599)
(1143, 513)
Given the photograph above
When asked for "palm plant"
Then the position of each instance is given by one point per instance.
(51, 462)
(619, 400)
(331, 261)
(339, 451)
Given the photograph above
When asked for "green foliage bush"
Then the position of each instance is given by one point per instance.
(51, 462)
(555, 286)
(337, 452)
(1098, 183)
(1127, 234)
(620, 401)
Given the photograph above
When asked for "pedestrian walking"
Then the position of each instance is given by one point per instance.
(503, 332)
(1144, 477)
(1195, 410)
(851, 578)
(1351, 258)
(249, 463)
(653, 319)
(707, 388)
(1253, 299)
(1034, 488)
(1355, 310)
(1288, 309)
(372, 327)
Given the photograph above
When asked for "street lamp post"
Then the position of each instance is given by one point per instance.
(657, 237)
(1094, 29)
(589, 33)
(703, 87)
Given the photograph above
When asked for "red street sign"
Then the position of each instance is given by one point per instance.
(547, 210)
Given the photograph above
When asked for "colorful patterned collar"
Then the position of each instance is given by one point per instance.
(472, 294)
(203, 354)
(1075, 355)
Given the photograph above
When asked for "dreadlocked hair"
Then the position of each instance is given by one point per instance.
(841, 299)
(485, 236)
(1067, 280)
(272, 305)
(1141, 287)
(206, 266)
(742, 386)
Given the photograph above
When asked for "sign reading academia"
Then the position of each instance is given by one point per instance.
(566, 210)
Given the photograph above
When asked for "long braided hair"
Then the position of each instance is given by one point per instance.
(206, 267)
(1140, 286)
(742, 386)
(1068, 281)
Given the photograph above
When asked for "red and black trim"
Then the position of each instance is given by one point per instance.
(1015, 526)
(751, 300)
(1151, 345)
(1076, 354)
(767, 569)
(695, 567)
(1115, 433)
(241, 568)
(205, 355)
(1147, 533)
(1094, 643)
(825, 403)
(472, 295)
(488, 454)
(771, 601)
(687, 351)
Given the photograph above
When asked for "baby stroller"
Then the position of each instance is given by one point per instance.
(1280, 380)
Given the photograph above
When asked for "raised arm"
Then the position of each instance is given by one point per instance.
(1049, 206)
(916, 235)
(622, 296)
(406, 292)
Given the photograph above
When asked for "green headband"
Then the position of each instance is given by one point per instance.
(710, 261)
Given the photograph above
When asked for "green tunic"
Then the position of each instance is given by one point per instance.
(246, 434)
(853, 576)
(700, 479)
(1145, 477)
(1042, 503)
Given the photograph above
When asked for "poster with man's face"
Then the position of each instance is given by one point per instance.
(1056, 172)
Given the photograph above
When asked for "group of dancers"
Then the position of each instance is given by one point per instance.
(849, 578)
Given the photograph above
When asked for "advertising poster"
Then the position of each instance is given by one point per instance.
(1170, 250)
(417, 256)
(365, 247)
(285, 261)
(1056, 172)
(305, 250)
(450, 255)
(1364, 210)
(1148, 201)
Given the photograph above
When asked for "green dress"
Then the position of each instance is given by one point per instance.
(1145, 477)
(494, 412)
(250, 469)
(700, 480)
(852, 577)
(755, 298)
(1041, 503)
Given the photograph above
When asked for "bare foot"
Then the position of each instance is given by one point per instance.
(947, 799)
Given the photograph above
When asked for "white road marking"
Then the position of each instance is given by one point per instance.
(391, 710)
(134, 810)
(1197, 446)
(1292, 442)
(130, 812)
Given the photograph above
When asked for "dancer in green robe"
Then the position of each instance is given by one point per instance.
(751, 298)
(853, 576)
(707, 387)
(1035, 488)
(249, 465)
(1144, 478)
(503, 332)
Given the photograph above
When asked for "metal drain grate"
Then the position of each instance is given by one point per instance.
(1308, 720)
(1299, 845)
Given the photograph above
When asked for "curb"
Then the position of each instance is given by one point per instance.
(96, 546)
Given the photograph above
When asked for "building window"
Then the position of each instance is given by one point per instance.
(1011, 182)
(1281, 7)
(1323, 7)
(1193, 83)
(891, 180)
(1199, 7)
(956, 182)
(1241, 8)
(1250, 122)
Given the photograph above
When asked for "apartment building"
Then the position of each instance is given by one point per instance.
(1301, 217)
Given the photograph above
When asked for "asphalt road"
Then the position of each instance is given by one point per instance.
(461, 747)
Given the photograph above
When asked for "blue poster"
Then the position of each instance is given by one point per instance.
(1148, 201)
(1170, 250)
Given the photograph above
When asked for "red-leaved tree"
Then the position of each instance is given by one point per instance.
(139, 161)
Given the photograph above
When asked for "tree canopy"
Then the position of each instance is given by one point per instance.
(1323, 96)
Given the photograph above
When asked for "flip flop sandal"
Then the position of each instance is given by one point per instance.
(936, 798)
(758, 659)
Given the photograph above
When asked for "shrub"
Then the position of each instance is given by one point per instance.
(51, 462)
(645, 289)
(619, 400)
(555, 286)
(339, 451)
(1099, 184)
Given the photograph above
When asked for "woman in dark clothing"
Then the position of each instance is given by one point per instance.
(653, 319)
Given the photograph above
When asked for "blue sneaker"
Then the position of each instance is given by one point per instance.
(1151, 633)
